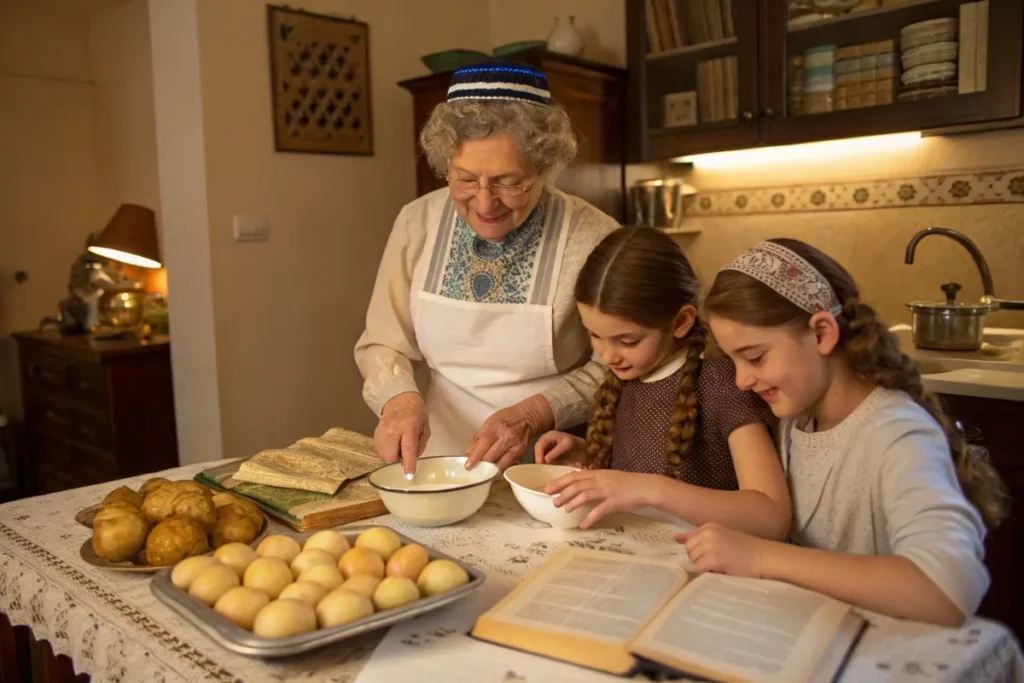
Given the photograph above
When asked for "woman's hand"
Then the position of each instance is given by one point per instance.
(612, 490)
(565, 448)
(504, 435)
(403, 430)
(715, 548)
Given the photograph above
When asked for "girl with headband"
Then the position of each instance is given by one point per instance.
(889, 503)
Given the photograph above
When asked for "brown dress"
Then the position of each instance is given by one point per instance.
(645, 410)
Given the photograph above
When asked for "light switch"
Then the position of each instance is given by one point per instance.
(251, 228)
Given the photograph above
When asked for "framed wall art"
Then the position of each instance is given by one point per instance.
(320, 83)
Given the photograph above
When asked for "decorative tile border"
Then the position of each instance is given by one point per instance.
(985, 187)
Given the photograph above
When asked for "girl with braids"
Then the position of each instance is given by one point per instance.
(880, 517)
(665, 408)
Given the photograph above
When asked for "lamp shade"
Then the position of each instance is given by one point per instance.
(130, 237)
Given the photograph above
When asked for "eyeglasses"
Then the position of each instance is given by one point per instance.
(463, 189)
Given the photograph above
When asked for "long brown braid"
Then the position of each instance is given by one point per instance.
(641, 275)
(873, 353)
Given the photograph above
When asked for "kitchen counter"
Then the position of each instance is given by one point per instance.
(996, 375)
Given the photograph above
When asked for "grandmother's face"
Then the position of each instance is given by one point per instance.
(494, 160)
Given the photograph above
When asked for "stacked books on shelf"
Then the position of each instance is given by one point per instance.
(718, 89)
(674, 24)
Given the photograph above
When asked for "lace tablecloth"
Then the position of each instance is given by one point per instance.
(115, 629)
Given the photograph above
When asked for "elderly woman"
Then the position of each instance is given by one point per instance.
(476, 282)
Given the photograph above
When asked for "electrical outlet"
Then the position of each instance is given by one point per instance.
(251, 228)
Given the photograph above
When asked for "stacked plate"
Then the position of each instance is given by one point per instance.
(929, 56)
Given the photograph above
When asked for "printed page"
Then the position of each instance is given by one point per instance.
(743, 629)
(593, 595)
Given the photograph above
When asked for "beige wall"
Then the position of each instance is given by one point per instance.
(288, 311)
(872, 243)
(122, 74)
(50, 191)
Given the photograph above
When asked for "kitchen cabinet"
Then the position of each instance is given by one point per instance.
(996, 425)
(593, 94)
(746, 71)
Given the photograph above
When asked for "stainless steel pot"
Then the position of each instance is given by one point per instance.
(949, 325)
(659, 203)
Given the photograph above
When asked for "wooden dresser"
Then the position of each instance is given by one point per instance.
(94, 410)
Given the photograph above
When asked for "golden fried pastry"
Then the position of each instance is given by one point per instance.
(119, 533)
(174, 539)
(123, 494)
(152, 485)
(195, 486)
(157, 505)
(197, 506)
(234, 528)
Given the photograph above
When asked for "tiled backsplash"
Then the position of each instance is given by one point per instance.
(951, 189)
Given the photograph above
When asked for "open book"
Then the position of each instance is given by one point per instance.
(622, 614)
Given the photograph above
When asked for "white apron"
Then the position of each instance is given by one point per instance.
(484, 356)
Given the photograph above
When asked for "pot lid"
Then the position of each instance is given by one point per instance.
(949, 309)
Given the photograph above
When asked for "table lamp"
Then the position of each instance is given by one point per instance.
(130, 237)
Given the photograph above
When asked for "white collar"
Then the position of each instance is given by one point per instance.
(666, 369)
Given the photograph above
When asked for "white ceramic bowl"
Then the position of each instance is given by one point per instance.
(528, 482)
(442, 492)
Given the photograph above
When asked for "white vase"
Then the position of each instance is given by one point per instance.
(565, 38)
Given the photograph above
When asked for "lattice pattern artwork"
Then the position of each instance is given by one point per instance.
(320, 77)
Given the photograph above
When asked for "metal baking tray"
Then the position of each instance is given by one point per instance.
(237, 639)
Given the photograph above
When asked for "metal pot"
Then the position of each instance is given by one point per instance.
(948, 326)
(659, 203)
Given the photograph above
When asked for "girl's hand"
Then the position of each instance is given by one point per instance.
(559, 446)
(612, 490)
(715, 548)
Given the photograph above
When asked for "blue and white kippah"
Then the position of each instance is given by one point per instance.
(499, 82)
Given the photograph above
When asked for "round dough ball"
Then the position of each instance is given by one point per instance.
(408, 561)
(123, 494)
(364, 584)
(284, 618)
(327, 575)
(197, 506)
(304, 590)
(119, 533)
(330, 540)
(174, 539)
(188, 569)
(441, 576)
(380, 540)
(238, 556)
(341, 607)
(361, 561)
(280, 546)
(213, 582)
(241, 605)
(395, 591)
(152, 485)
(234, 528)
(268, 574)
(308, 558)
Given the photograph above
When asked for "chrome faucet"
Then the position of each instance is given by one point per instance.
(979, 260)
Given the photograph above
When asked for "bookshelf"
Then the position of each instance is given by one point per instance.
(773, 76)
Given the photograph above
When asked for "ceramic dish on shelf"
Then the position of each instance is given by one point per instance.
(933, 53)
(929, 73)
(927, 32)
(450, 60)
(520, 46)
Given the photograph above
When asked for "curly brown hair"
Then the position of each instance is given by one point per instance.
(872, 351)
(640, 274)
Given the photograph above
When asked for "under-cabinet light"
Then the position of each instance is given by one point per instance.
(811, 151)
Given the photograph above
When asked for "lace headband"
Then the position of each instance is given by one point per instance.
(790, 275)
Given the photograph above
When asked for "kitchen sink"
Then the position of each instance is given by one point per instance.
(1003, 352)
